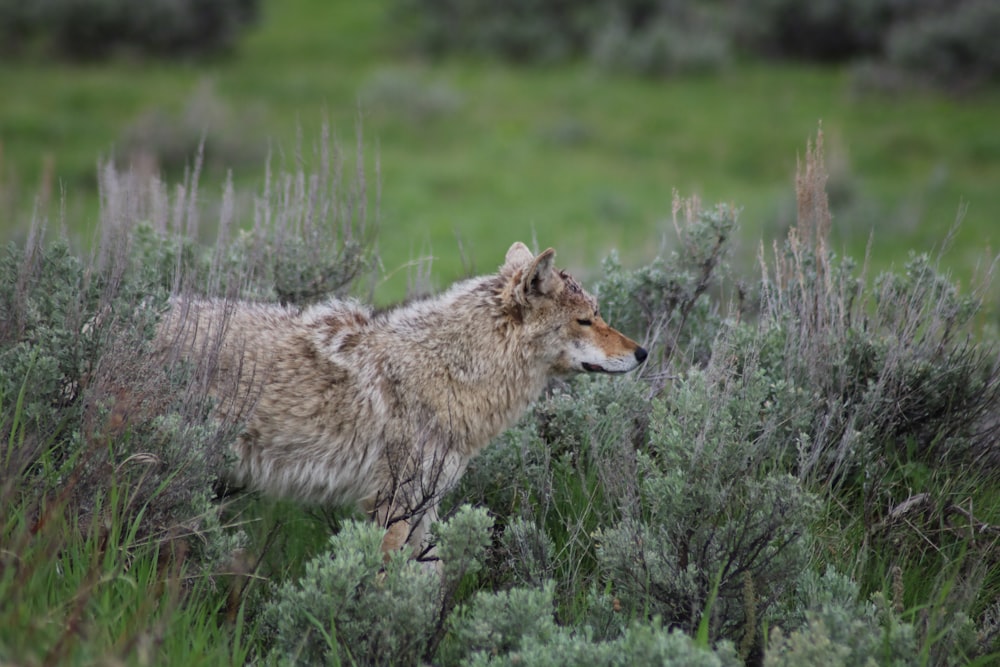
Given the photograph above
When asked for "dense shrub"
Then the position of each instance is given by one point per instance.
(15, 20)
(827, 30)
(700, 508)
(717, 530)
(631, 35)
(666, 303)
(574, 459)
(955, 46)
(167, 143)
(108, 458)
(671, 38)
(524, 30)
(838, 628)
(930, 40)
(836, 625)
(673, 510)
(99, 28)
(893, 367)
(640, 644)
(348, 607)
(404, 93)
(75, 354)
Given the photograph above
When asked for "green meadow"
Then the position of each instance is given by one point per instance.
(471, 155)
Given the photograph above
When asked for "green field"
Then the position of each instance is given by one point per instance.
(477, 154)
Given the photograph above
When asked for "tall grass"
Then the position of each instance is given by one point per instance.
(83, 592)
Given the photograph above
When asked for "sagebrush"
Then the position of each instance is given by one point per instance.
(804, 473)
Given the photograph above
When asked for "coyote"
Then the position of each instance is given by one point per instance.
(386, 408)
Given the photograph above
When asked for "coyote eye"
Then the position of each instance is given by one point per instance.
(584, 322)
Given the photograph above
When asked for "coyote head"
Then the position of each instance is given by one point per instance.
(562, 318)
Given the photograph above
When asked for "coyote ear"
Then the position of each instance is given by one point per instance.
(540, 277)
(518, 255)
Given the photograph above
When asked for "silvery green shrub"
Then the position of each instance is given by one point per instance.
(517, 627)
(668, 302)
(837, 621)
(629, 35)
(351, 605)
(718, 530)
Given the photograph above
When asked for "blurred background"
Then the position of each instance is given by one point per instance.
(561, 123)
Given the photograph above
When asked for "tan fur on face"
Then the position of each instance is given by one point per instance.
(386, 409)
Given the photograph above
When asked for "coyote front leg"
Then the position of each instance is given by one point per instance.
(404, 525)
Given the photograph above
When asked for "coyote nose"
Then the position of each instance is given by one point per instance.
(641, 354)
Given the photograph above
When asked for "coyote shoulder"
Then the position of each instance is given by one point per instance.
(386, 408)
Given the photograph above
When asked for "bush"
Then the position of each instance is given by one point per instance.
(641, 644)
(839, 627)
(101, 28)
(93, 402)
(403, 93)
(353, 606)
(886, 393)
(896, 43)
(654, 505)
(631, 35)
(947, 43)
(499, 623)
(74, 351)
(667, 302)
(522, 30)
(716, 534)
(567, 469)
(841, 630)
(893, 368)
(165, 143)
(828, 30)
(341, 610)
(677, 39)
(16, 18)
(956, 46)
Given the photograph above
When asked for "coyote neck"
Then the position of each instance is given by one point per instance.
(475, 369)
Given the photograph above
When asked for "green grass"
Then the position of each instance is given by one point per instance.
(579, 159)
(91, 593)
